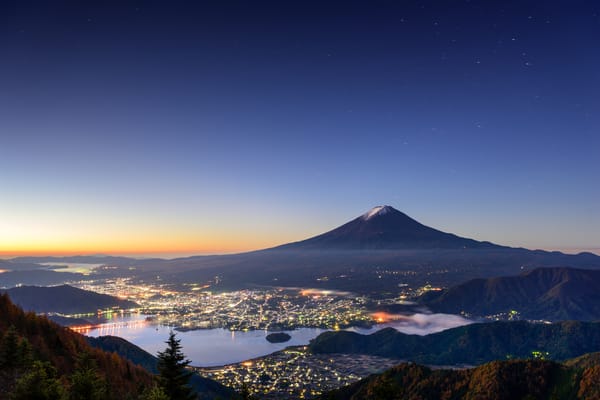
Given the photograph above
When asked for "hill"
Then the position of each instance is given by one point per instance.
(62, 348)
(544, 293)
(127, 350)
(471, 344)
(42, 277)
(125, 369)
(207, 388)
(498, 380)
(585, 361)
(64, 299)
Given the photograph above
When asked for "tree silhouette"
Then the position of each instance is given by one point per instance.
(15, 358)
(173, 375)
(154, 393)
(86, 383)
(41, 383)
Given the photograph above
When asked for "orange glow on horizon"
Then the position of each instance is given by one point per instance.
(123, 252)
(146, 239)
(132, 249)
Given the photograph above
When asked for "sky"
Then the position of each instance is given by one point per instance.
(147, 127)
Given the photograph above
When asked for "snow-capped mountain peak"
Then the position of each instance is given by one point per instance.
(375, 211)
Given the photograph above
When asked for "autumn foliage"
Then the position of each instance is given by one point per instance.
(498, 380)
(61, 349)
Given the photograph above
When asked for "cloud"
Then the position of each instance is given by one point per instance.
(418, 324)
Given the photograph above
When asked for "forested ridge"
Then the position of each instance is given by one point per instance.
(498, 380)
(33, 344)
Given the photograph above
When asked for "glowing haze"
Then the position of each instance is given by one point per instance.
(159, 128)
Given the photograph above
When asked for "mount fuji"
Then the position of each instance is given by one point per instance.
(356, 256)
(385, 228)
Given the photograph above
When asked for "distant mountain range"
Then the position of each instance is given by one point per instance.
(64, 299)
(471, 344)
(359, 254)
(543, 293)
(38, 276)
(351, 257)
(81, 259)
(498, 380)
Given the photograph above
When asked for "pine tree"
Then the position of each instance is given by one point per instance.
(86, 383)
(41, 383)
(15, 358)
(9, 350)
(173, 375)
(154, 393)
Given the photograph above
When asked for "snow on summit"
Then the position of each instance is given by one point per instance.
(379, 210)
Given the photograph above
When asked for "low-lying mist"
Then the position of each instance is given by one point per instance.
(419, 323)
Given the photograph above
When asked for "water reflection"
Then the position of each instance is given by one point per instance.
(213, 347)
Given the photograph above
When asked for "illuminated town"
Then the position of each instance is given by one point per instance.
(243, 310)
(296, 373)
(293, 372)
(290, 373)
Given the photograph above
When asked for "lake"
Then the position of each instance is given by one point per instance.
(214, 347)
(81, 268)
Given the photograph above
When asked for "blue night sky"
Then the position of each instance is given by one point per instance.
(190, 127)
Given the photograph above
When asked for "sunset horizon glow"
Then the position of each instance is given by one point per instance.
(199, 128)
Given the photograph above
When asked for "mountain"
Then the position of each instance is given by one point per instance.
(64, 299)
(126, 369)
(41, 277)
(385, 228)
(356, 256)
(585, 361)
(127, 350)
(207, 388)
(471, 344)
(543, 293)
(498, 380)
(382, 243)
(91, 259)
(62, 348)
(11, 265)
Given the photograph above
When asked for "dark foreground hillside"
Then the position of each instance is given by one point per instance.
(27, 338)
(498, 380)
(206, 388)
(39, 359)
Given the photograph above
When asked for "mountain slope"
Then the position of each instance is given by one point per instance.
(498, 380)
(41, 277)
(543, 293)
(472, 344)
(64, 299)
(385, 228)
(207, 388)
(350, 256)
(62, 347)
